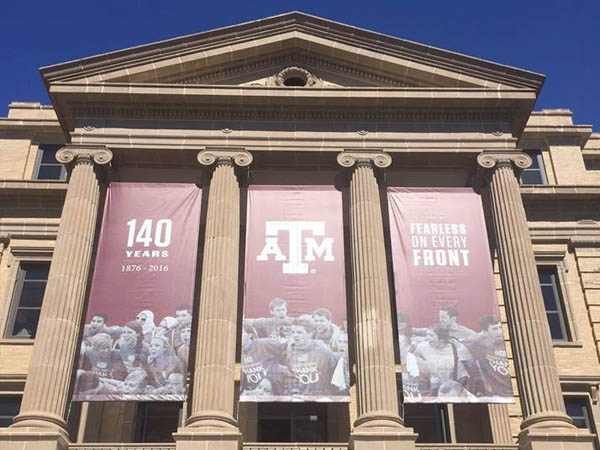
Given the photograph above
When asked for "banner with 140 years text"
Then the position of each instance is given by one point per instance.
(450, 335)
(136, 339)
(294, 338)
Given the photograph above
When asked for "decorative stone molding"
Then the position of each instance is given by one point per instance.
(349, 158)
(293, 60)
(331, 114)
(584, 242)
(240, 158)
(98, 154)
(296, 72)
(489, 159)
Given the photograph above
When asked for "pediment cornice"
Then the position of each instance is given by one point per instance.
(325, 39)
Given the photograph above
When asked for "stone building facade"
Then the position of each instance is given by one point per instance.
(308, 101)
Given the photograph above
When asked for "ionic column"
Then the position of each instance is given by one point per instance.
(212, 398)
(378, 418)
(537, 374)
(46, 397)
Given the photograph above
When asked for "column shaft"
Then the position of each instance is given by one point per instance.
(532, 345)
(213, 388)
(46, 396)
(376, 377)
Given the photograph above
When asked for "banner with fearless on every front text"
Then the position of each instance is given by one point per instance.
(136, 339)
(295, 335)
(450, 335)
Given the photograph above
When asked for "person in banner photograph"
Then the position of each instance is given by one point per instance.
(325, 331)
(488, 348)
(278, 325)
(132, 348)
(137, 360)
(448, 362)
(263, 364)
(98, 325)
(312, 363)
(448, 317)
(306, 359)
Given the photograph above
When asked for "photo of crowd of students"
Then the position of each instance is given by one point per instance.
(301, 358)
(138, 360)
(447, 362)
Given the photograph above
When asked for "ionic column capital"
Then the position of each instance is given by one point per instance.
(493, 159)
(227, 155)
(71, 155)
(354, 158)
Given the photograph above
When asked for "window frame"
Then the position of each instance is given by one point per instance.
(587, 388)
(39, 164)
(535, 154)
(15, 257)
(557, 260)
(12, 386)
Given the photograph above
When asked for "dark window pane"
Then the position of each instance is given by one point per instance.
(534, 174)
(26, 321)
(49, 154)
(275, 430)
(549, 295)
(545, 275)
(310, 429)
(9, 408)
(32, 294)
(36, 271)
(158, 421)
(535, 162)
(49, 173)
(285, 422)
(531, 177)
(578, 410)
(428, 421)
(553, 302)
(556, 329)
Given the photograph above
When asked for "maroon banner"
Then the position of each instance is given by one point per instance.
(136, 339)
(294, 338)
(450, 336)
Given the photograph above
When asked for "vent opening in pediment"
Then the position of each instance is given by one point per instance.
(294, 81)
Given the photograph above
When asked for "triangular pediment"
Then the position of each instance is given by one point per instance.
(256, 53)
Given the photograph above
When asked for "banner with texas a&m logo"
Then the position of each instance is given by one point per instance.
(136, 338)
(295, 337)
(450, 335)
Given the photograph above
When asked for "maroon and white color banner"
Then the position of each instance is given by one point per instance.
(137, 335)
(294, 338)
(450, 336)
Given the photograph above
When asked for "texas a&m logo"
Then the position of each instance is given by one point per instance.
(299, 233)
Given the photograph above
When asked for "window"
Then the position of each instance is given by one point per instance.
(28, 295)
(9, 408)
(553, 302)
(157, 421)
(536, 173)
(578, 409)
(48, 168)
(298, 422)
(430, 421)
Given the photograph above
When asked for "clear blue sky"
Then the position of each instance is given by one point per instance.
(559, 39)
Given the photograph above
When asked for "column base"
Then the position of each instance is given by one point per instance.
(381, 432)
(24, 438)
(207, 438)
(555, 438)
(207, 431)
